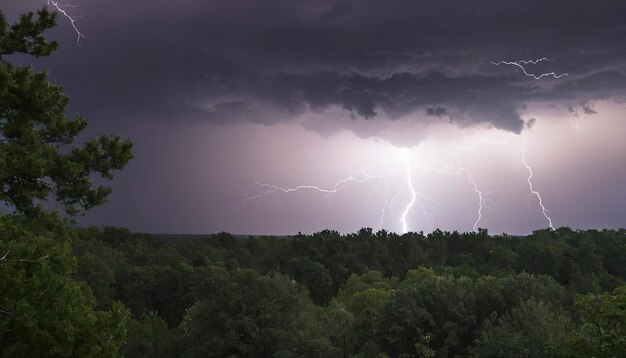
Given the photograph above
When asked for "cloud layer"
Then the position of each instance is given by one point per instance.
(214, 91)
(272, 61)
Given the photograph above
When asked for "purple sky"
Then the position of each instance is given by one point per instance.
(396, 105)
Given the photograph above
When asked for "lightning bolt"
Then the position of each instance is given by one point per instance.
(61, 8)
(358, 177)
(481, 200)
(520, 63)
(534, 192)
(413, 193)
(381, 177)
(413, 197)
(460, 170)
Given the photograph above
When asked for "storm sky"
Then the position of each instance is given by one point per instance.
(398, 101)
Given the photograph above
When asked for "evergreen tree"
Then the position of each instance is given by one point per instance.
(39, 160)
(44, 311)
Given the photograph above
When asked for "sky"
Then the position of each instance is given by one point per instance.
(279, 116)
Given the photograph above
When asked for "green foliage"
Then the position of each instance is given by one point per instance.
(602, 330)
(477, 298)
(315, 276)
(319, 331)
(149, 337)
(365, 297)
(531, 329)
(447, 311)
(44, 312)
(26, 35)
(503, 257)
(99, 276)
(37, 158)
(368, 292)
(242, 313)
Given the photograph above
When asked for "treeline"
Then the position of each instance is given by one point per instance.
(554, 293)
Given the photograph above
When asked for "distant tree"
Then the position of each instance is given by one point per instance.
(532, 329)
(502, 257)
(241, 313)
(148, 338)
(99, 276)
(315, 277)
(37, 159)
(341, 329)
(444, 313)
(541, 254)
(365, 297)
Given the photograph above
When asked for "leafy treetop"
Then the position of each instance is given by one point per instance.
(38, 161)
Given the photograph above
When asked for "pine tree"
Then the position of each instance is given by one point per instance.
(39, 160)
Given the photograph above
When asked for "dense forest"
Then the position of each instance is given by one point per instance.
(558, 293)
(552, 293)
(69, 291)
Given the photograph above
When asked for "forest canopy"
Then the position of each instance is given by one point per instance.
(369, 294)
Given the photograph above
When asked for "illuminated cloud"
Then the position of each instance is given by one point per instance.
(349, 74)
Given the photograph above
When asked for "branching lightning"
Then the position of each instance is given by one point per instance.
(534, 192)
(62, 9)
(521, 63)
(460, 170)
(358, 177)
(413, 196)
(381, 178)
(400, 167)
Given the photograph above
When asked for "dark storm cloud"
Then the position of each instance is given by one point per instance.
(230, 92)
(245, 60)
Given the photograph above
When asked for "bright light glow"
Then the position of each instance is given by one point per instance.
(400, 162)
(455, 179)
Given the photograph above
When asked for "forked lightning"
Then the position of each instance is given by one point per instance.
(414, 197)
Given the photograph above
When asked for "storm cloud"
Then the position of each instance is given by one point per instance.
(271, 61)
(299, 92)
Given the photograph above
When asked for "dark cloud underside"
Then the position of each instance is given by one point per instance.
(246, 60)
